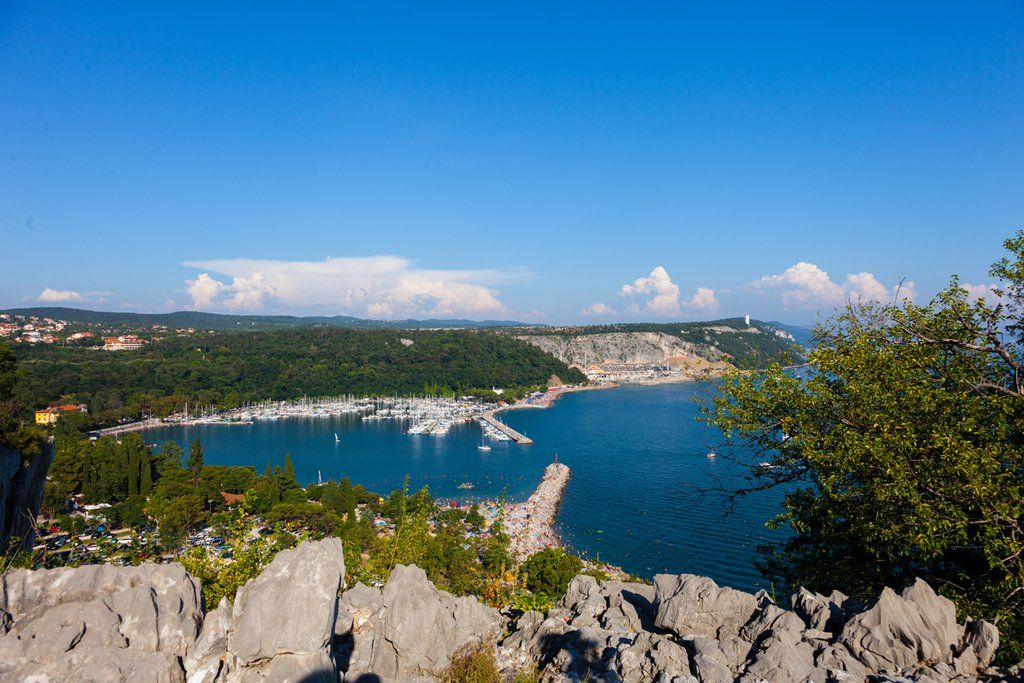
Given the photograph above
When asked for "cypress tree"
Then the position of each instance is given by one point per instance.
(289, 471)
(195, 459)
(133, 472)
(146, 485)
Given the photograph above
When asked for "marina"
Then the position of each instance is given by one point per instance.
(503, 429)
(638, 457)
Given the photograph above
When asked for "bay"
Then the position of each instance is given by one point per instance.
(638, 496)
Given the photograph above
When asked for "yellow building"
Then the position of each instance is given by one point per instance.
(49, 416)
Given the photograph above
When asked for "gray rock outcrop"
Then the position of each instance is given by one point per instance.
(600, 631)
(98, 623)
(411, 629)
(689, 605)
(105, 623)
(687, 628)
(281, 625)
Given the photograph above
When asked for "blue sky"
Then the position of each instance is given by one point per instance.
(589, 162)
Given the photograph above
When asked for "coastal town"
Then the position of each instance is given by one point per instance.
(30, 329)
(96, 533)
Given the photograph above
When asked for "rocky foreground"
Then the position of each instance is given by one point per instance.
(295, 622)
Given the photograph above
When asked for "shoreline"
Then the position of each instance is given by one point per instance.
(531, 524)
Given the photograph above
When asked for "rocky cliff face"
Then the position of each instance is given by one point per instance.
(295, 622)
(21, 491)
(626, 348)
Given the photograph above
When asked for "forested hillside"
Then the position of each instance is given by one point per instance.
(227, 369)
(223, 321)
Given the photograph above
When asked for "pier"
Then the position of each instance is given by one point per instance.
(531, 525)
(505, 429)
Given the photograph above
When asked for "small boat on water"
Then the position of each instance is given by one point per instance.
(711, 455)
(484, 446)
(336, 437)
(466, 486)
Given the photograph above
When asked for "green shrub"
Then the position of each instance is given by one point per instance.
(550, 571)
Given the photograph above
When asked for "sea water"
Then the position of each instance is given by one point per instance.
(643, 493)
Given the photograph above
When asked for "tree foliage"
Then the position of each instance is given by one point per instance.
(902, 452)
(549, 572)
(229, 369)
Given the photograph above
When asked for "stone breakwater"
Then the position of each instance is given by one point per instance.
(296, 622)
(531, 524)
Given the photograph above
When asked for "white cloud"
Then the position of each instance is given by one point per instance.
(805, 285)
(204, 290)
(598, 309)
(982, 291)
(703, 299)
(378, 286)
(664, 295)
(58, 295)
(867, 287)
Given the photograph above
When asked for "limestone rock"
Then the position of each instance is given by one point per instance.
(357, 608)
(696, 605)
(205, 659)
(781, 657)
(103, 665)
(416, 629)
(98, 622)
(291, 606)
(309, 667)
(983, 638)
(898, 631)
(710, 663)
(819, 612)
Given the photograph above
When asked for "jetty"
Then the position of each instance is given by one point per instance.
(531, 525)
(504, 428)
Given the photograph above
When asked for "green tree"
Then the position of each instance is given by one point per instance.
(901, 454)
(474, 520)
(14, 433)
(550, 571)
(8, 371)
(195, 459)
(170, 458)
(289, 472)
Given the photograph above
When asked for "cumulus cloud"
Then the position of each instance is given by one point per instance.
(703, 299)
(805, 285)
(659, 286)
(598, 308)
(664, 295)
(982, 291)
(378, 286)
(58, 295)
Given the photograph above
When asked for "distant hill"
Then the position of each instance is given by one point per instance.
(730, 339)
(802, 335)
(220, 321)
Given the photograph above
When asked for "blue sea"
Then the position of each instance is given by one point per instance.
(640, 496)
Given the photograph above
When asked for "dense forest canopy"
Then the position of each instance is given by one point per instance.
(228, 369)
